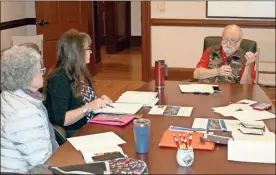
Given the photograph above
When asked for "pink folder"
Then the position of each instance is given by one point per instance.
(112, 119)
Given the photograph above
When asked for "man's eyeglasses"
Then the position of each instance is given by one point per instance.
(231, 41)
(43, 70)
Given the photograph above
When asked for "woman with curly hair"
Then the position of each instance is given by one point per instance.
(27, 137)
(70, 98)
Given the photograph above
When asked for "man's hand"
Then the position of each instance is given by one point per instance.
(250, 58)
(225, 70)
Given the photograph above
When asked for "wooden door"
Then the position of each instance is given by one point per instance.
(54, 18)
(118, 26)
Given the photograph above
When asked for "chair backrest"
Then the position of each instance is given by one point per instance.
(246, 44)
(60, 134)
(37, 39)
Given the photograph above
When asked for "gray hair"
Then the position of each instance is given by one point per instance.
(19, 65)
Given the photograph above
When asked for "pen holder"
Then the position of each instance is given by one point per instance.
(185, 157)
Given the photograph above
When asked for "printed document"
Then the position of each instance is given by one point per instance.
(171, 110)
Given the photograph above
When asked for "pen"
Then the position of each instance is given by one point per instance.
(109, 105)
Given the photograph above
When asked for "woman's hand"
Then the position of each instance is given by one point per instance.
(106, 99)
(96, 104)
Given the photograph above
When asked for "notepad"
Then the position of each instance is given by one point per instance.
(121, 108)
(139, 97)
(197, 88)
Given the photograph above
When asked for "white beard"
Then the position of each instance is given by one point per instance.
(229, 50)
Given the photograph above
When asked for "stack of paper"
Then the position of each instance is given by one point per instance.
(197, 88)
(90, 145)
(243, 111)
(139, 97)
(120, 108)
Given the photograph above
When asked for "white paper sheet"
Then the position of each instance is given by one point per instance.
(268, 136)
(95, 141)
(171, 110)
(191, 88)
(253, 115)
(230, 110)
(121, 108)
(251, 151)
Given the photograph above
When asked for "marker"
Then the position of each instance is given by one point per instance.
(176, 141)
(183, 145)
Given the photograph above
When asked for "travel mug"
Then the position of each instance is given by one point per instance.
(161, 70)
(141, 129)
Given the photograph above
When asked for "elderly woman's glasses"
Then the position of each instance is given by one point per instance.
(43, 70)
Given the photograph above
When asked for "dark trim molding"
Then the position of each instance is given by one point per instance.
(17, 23)
(146, 40)
(177, 74)
(135, 41)
(213, 23)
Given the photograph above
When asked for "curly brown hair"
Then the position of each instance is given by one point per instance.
(70, 58)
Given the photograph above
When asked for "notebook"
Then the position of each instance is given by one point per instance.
(120, 108)
(112, 119)
(167, 140)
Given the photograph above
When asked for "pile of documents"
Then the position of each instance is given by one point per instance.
(243, 111)
(139, 97)
(90, 145)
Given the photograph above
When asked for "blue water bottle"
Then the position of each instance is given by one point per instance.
(141, 129)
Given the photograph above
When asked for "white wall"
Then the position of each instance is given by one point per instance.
(13, 11)
(183, 46)
(135, 18)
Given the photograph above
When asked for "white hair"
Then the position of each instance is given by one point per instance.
(19, 65)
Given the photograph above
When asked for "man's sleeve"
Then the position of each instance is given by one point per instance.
(204, 61)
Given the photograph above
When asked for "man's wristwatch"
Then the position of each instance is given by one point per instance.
(84, 110)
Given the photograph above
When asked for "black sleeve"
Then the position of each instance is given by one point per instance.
(58, 98)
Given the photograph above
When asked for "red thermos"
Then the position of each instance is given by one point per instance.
(161, 70)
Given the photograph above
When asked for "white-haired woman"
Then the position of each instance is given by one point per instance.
(27, 137)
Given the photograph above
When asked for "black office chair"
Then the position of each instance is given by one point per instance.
(246, 44)
(60, 134)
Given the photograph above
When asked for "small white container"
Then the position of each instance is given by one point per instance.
(185, 157)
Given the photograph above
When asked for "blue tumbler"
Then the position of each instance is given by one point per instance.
(141, 129)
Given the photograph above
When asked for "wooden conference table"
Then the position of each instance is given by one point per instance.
(163, 160)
